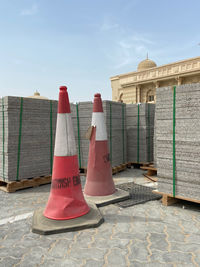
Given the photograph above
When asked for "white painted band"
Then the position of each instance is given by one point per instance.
(64, 142)
(98, 120)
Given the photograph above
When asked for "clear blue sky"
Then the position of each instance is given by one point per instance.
(82, 43)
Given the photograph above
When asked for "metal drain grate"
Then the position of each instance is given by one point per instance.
(138, 194)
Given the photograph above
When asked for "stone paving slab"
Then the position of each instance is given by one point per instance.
(144, 235)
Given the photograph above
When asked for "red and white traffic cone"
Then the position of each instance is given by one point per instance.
(99, 180)
(66, 200)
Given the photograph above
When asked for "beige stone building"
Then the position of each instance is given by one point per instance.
(140, 86)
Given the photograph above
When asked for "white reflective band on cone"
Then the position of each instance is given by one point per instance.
(64, 142)
(98, 120)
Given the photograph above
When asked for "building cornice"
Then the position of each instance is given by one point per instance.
(169, 71)
(169, 77)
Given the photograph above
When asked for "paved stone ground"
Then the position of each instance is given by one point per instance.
(143, 235)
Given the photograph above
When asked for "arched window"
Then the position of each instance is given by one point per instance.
(150, 96)
(120, 97)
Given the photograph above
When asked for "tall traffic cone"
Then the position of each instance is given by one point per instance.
(100, 186)
(99, 180)
(66, 200)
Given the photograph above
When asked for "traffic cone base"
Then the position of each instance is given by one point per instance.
(100, 201)
(44, 226)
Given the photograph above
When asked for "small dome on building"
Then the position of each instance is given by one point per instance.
(146, 64)
(37, 95)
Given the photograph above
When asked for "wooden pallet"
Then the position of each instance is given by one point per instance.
(83, 171)
(137, 165)
(11, 187)
(151, 178)
(151, 170)
(168, 199)
(119, 168)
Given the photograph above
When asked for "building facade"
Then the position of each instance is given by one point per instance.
(140, 86)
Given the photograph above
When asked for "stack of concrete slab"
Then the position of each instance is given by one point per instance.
(187, 140)
(82, 117)
(154, 145)
(140, 132)
(28, 128)
(26, 137)
(115, 119)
